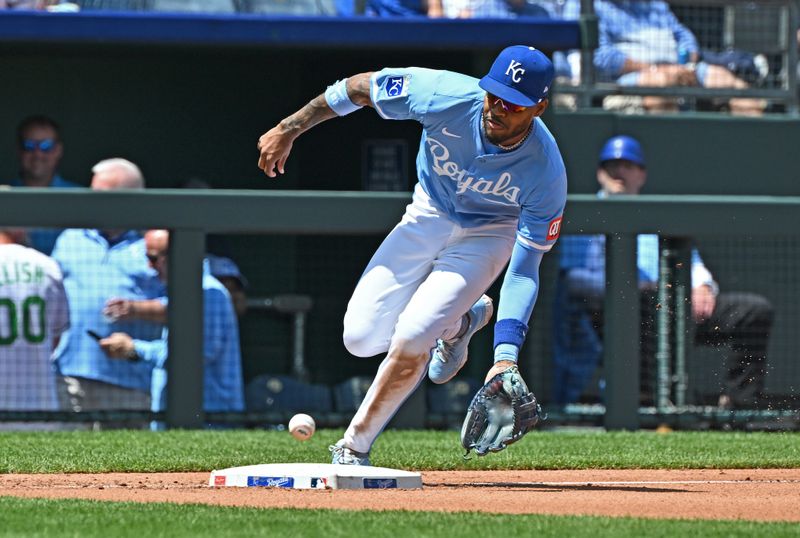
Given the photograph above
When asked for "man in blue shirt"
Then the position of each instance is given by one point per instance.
(99, 265)
(40, 149)
(223, 389)
(492, 186)
(742, 320)
(642, 43)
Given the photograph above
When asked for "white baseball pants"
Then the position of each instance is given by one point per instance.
(420, 282)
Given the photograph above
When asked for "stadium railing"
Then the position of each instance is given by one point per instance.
(190, 215)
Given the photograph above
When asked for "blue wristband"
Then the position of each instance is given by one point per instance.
(510, 331)
(337, 98)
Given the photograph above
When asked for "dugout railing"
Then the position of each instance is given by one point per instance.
(190, 215)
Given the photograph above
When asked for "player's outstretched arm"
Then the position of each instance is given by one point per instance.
(275, 145)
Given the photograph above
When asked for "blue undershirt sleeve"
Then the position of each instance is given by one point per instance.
(517, 298)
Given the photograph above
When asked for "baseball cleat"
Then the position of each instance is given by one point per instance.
(450, 356)
(341, 455)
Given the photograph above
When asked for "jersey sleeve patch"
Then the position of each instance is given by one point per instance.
(397, 86)
(553, 229)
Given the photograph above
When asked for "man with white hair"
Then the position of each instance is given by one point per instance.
(99, 265)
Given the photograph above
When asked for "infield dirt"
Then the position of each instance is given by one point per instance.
(745, 494)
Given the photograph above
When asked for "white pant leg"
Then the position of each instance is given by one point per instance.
(398, 267)
(467, 265)
(464, 270)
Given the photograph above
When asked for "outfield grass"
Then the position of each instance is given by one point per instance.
(88, 519)
(143, 451)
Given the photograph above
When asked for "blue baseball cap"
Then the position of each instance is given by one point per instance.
(225, 267)
(622, 147)
(521, 75)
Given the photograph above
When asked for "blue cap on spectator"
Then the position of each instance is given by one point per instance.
(225, 267)
(622, 147)
(521, 75)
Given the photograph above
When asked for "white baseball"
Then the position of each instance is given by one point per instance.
(302, 427)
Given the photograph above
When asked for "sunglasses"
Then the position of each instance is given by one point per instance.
(45, 145)
(508, 107)
(153, 258)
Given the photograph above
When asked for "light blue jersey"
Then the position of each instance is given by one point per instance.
(223, 388)
(95, 271)
(466, 177)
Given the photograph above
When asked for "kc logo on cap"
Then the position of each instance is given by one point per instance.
(521, 75)
(515, 70)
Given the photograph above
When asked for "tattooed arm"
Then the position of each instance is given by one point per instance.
(276, 144)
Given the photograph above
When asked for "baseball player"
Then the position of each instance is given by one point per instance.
(33, 314)
(492, 187)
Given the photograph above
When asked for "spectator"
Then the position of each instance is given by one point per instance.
(223, 386)
(742, 320)
(475, 9)
(227, 272)
(495, 9)
(33, 314)
(98, 265)
(642, 43)
(401, 8)
(39, 148)
(25, 4)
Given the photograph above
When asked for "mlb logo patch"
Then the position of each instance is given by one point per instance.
(396, 86)
(553, 229)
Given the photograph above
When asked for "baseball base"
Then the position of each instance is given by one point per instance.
(315, 476)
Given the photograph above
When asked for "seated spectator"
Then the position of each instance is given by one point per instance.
(33, 314)
(403, 8)
(227, 272)
(223, 387)
(223, 269)
(476, 9)
(642, 43)
(23, 4)
(741, 320)
(39, 149)
(99, 265)
(494, 9)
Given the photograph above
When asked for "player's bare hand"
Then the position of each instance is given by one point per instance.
(497, 368)
(117, 309)
(117, 346)
(274, 147)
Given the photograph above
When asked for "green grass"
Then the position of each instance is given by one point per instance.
(90, 518)
(143, 451)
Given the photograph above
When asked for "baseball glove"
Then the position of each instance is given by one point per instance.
(501, 412)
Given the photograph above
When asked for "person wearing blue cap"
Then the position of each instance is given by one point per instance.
(741, 320)
(491, 187)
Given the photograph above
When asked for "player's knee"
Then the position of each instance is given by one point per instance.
(360, 340)
(409, 349)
